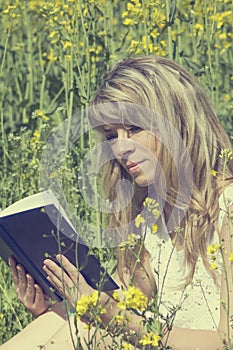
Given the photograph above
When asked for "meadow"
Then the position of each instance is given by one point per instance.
(53, 55)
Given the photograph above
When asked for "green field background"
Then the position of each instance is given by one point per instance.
(53, 55)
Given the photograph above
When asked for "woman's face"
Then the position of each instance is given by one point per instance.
(135, 149)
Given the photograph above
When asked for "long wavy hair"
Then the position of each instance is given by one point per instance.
(160, 85)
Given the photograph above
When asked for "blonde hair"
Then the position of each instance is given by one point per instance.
(164, 87)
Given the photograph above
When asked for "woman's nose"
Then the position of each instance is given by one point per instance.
(123, 145)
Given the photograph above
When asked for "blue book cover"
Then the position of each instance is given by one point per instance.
(31, 235)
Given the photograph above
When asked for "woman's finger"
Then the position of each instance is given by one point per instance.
(14, 272)
(59, 278)
(22, 281)
(55, 278)
(71, 294)
(61, 281)
(39, 296)
(69, 267)
(58, 274)
(76, 277)
(30, 291)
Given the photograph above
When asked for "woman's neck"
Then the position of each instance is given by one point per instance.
(140, 194)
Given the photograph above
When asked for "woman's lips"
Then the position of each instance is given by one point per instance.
(134, 167)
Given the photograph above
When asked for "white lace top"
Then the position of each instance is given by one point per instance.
(199, 304)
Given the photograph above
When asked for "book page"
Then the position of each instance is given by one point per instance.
(35, 201)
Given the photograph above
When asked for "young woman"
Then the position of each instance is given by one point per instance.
(163, 138)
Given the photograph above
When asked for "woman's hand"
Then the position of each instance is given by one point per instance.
(66, 279)
(29, 293)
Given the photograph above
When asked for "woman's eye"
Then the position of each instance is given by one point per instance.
(111, 137)
(131, 130)
(134, 129)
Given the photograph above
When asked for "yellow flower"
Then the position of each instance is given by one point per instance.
(213, 266)
(150, 339)
(133, 299)
(89, 303)
(148, 201)
(40, 114)
(199, 26)
(126, 346)
(68, 58)
(163, 43)
(129, 22)
(35, 141)
(34, 161)
(222, 36)
(66, 45)
(227, 97)
(131, 242)
(154, 228)
(9, 8)
(226, 154)
(85, 302)
(139, 220)
(154, 33)
(151, 205)
(51, 56)
(213, 248)
(121, 320)
(124, 14)
(53, 34)
(213, 172)
(231, 257)
(115, 295)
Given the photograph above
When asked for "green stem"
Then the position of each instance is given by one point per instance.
(194, 43)
(5, 51)
(145, 29)
(228, 298)
(42, 87)
(4, 142)
(29, 56)
(223, 258)
(169, 31)
(179, 41)
(209, 39)
(6, 295)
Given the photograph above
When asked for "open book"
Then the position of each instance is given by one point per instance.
(36, 228)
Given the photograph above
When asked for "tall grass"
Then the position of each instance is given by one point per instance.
(53, 54)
